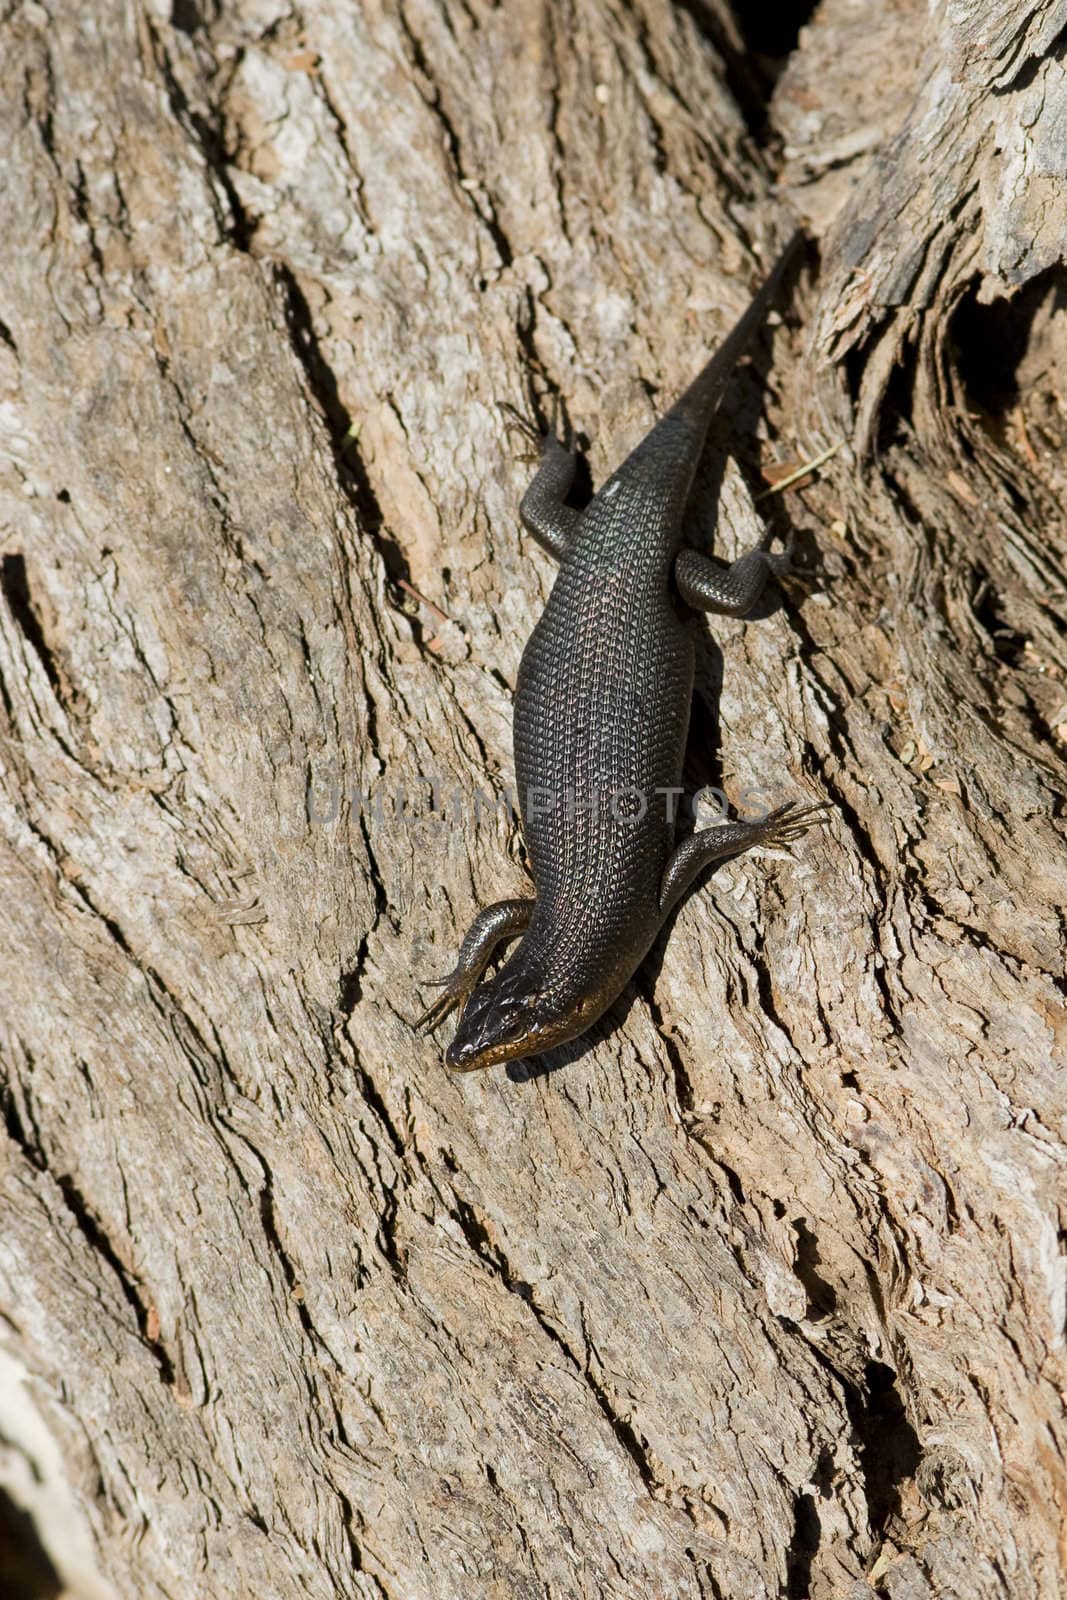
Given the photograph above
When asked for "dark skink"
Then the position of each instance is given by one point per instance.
(601, 717)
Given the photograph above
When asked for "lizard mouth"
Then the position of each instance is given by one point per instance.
(470, 1052)
(468, 1055)
(465, 1056)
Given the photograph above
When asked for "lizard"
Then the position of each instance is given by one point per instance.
(601, 716)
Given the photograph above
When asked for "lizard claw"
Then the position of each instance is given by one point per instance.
(780, 562)
(516, 421)
(455, 993)
(529, 426)
(788, 822)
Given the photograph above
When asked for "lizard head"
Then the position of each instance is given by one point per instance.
(511, 1016)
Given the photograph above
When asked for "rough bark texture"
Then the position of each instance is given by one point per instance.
(760, 1290)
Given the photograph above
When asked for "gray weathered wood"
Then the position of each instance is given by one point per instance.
(760, 1290)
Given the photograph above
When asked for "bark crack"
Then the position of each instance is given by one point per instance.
(14, 580)
(428, 84)
(235, 227)
(92, 1231)
(478, 1237)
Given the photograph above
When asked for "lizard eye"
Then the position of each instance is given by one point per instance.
(519, 1016)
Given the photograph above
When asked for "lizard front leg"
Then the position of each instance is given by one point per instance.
(497, 922)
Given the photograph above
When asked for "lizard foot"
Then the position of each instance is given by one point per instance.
(455, 994)
(530, 428)
(785, 824)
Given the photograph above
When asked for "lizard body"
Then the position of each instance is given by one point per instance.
(601, 717)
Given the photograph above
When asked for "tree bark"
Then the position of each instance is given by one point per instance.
(759, 1289)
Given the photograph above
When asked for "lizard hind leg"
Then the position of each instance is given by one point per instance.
(698, 850)
(490, 927)
(541, 510)
(730, 591)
